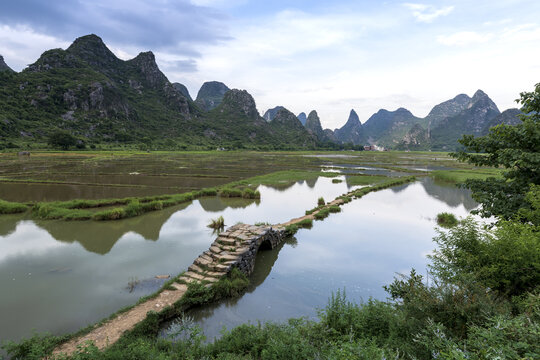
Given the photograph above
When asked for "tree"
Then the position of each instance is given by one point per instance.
(514, 148)
(62, 139)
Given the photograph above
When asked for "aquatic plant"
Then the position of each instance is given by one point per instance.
(446, 220)
(217, 224)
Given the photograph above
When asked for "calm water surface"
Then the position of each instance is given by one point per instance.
(61, 276)
(359, 250)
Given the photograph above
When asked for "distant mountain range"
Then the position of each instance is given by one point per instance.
(87, 91)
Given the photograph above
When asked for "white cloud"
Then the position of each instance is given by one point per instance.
(428, 13)
(463, 38)
(21, 45)
(522, 33)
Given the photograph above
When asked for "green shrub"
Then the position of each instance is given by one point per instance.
(320, 201)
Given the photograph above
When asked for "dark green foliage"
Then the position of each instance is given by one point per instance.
(336, 181)
(446, 220)
(321, 202)
(513, 148)
(506, 260)
(62, 140)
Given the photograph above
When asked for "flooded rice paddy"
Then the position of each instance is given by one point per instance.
(59, 276)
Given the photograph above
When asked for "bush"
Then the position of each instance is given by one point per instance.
(62, 140)
(506, 260)
(321, 202)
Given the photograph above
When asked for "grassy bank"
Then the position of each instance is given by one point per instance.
(129, 207)
(459, 176)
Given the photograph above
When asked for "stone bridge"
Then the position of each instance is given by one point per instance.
(236, 247)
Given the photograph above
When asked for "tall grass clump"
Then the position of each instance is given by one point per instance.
(446, 220)
(306, 223)
(230, 192)
(217, 224)
(251, 194)
(321, 201)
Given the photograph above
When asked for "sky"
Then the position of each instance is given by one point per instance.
(328, 56)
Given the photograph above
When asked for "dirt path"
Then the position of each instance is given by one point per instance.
(112, 330)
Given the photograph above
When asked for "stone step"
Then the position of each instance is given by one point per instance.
(226, 241)
(179, 287)
(215, 249)
(240, 251)
(203, 261)
(193, 275)
(245, 237)
(227, 257)
(214, 274)
(188, 279)
(195, 268)
(216, 267)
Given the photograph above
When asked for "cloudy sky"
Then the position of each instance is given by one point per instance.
(331, 56)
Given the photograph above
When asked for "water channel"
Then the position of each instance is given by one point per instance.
(61, 276)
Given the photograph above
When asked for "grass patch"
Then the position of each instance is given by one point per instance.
(322, 214)
(320, 201)
(290, 230)
(306, 223)
(228, 192)
(7, 207)
(311, 211)
(336, 181)
(334, 209)
(459, 176)
(446, 220)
